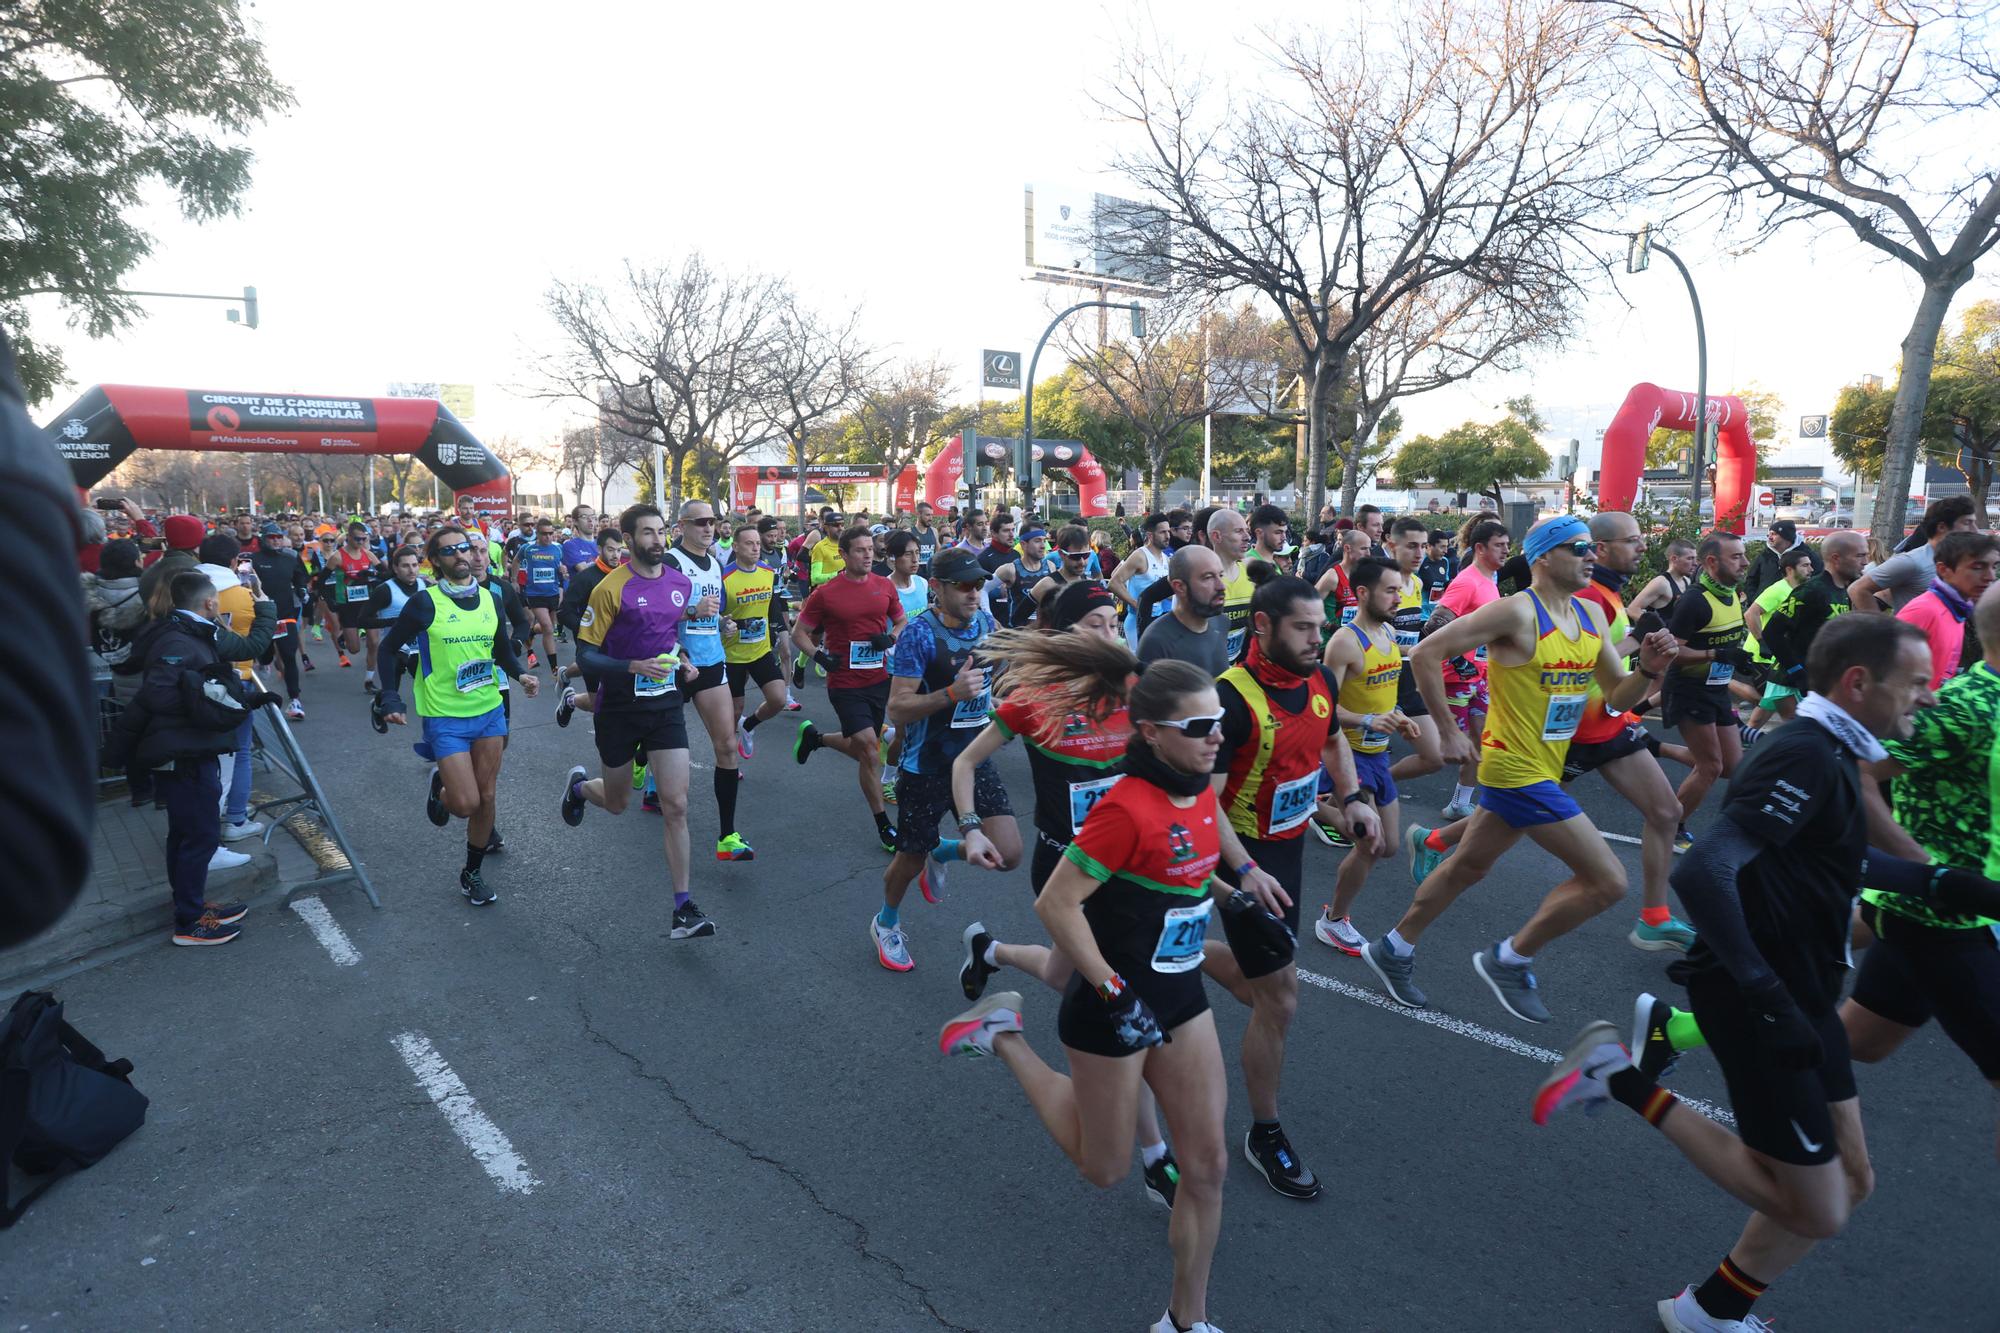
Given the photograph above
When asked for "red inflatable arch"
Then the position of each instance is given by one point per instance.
(1648, 406)
(945, 475)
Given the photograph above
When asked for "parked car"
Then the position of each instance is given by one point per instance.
(1835, 518)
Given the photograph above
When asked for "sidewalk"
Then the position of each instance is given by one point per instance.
(126, 903)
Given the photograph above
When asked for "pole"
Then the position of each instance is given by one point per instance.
(1026, 466)
(1699, 458)
(371, 488)
(1207, 418)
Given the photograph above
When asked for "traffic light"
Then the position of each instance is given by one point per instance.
(248, 315)
(1138, 320)
(985, 475)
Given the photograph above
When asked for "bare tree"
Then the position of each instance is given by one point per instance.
(1461, 140)
(901, 411)
(1157, 384)
(812, 369)
(578, 459)
(669, 359)
(1851, 112)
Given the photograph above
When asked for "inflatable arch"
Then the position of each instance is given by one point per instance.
(1648, 406)
(113, 421)
(944, 477)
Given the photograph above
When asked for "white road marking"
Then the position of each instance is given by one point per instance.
(1620, 837)
(327, 931)
(462, 1113)
(1466, 1028)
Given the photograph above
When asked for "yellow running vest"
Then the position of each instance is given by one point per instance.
(1373, 688)
(1236, 595)
(1537, 705)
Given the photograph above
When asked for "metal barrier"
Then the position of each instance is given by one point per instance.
(274, 744)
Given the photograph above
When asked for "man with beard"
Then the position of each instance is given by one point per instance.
(1196, 630)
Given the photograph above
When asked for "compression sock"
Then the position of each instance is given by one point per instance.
(1462, 794)
(1398, 945)
(1729, 1292)
(1683, 1031)
(1151, 1153)
(474, 854)
(750, 722)
(1630, 1087)
(1511, 956)
(725, 799)
(882, 824)
(949, 849)
(1655, 916)
(1434, 840)
(888, 916)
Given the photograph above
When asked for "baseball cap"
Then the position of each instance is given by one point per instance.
(271, 530)
(958, 565)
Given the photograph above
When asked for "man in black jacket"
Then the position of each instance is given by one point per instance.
(1769, 565)
(289, 587)
(189, 708)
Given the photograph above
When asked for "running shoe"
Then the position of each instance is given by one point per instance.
(973, 1031)
(973, 976)
(1281, 1168)
(224, 859)
(807, 742)
(475, 890)
(434, 807)
(733, 848)
(249, 828)
(889, 790)
(227, 914)
(296, 711)
(369, 686)
(885, 836)
(1328, 834)
(1652, 1049)
(572, 798)
(1682, 840)
(207, 930)
(344, 662)
(318, 635)
(890, 949)
(1683, 1314)
(495, 844)
(1167, 1325)
(1578, 1082)
(1162, 1179)
(1672, 934)
(1396, 974)
(565, 706)
(1422, 859)
(375, 716)
(650, 803)
(532, 664)
(689, 923)
(930, 880)
(1513, 985)
(792, 704)
(1458, 810)
(746, 740)
(307, 662)
(1339, 934)
(799, 672)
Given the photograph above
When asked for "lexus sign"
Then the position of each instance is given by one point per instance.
(1000, 370)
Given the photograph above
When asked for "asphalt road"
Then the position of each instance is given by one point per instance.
(755, 1131)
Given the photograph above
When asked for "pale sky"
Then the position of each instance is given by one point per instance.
(445, 160)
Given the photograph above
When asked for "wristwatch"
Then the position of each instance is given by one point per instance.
(967, 823)
(1353, 796)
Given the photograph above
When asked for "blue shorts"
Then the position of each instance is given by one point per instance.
(1372, 770)
(454, 735)
(1525, 807)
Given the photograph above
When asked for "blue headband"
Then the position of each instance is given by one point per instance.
(1546, 537)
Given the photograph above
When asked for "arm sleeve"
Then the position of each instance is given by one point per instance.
(1706, 880)
(414, 620)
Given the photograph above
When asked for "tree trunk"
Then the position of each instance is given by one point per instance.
(798, 443)
(677, 463)
(1316, 371)
(604, 490)
(1913, 390)
(1156, 474)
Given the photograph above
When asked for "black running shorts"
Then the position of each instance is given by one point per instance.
(922, 799)
(1043, 860)
(1407, 697)
(547, 602)
(759, 673)
(628, 736)
(1915, 972)
(713, 676)
(861, 709)
(1084, 1023)
(1283, 859)
(1588, 758)
(1696, 705)
(1781, 1113)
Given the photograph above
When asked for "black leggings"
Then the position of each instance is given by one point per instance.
(288, 656)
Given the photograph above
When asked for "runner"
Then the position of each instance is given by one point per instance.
(938, 698)
(847, 626)
(355, 562)
(1364, 664)
(543, 576)
(1072, 564)
(460, 638)
(1196, 631)
(287, 583)
(709, 691)
(1549, 649)
(1695, 698)
(1771, 890)
(1665, 588)
(750, 597)
(1143, 568)
(1965, 563)
(579, 552)
(1778, 700)
(1229, 538)
(913, 590)
(1277, 732)
(629, 640)
(1130, 904)
(1477, 585)
(1334, 586)
(1787, 634)
(1013, 593)
(610, 548)
(1408, 540)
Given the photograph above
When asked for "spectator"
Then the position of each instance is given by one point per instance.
(233, 583)
(1769, 568)
(127, 521)
(1909, 574)
(117, 613)
(1943, 612)
(184, 533)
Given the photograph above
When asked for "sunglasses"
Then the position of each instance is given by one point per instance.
(698, 522)
(1579, 547)
(456, 548)
(1194, 728)
(1076, 555)
(967, 587)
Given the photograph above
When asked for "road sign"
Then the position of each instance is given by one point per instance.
(1781, 495)
(1000, 370)
(1812, 428)
(1767, 499)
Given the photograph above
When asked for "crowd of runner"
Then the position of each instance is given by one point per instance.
(1200, 701)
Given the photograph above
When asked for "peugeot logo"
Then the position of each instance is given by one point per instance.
(1063, 209)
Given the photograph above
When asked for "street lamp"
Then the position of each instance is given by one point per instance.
(1026, 467)
(1636, 252)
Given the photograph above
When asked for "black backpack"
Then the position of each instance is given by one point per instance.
(62, 1104)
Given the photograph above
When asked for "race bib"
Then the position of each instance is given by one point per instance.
(1181, 937)
(645, 687)
(752, 631)
(860, 657)
(1084, 796)
(1235, 643)
(973, 712)
(1293, 801)
(357, 592)
(1347, 614)
(474, 675)
(542, 576)
(1720, 673)
(1479, 654)
(1406, 639)
(1565, 711)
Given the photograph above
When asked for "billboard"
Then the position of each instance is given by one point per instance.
(1096, 235)
(1000, 370)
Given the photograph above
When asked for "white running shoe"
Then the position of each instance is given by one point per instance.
(1579, 1080)
(1166, 1325)
(746, 740)
(1458, 810)
(296, 711)
(224, 859)
(973, 1031)
(1683, 1315)
(1339, 934)
(249, 828)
